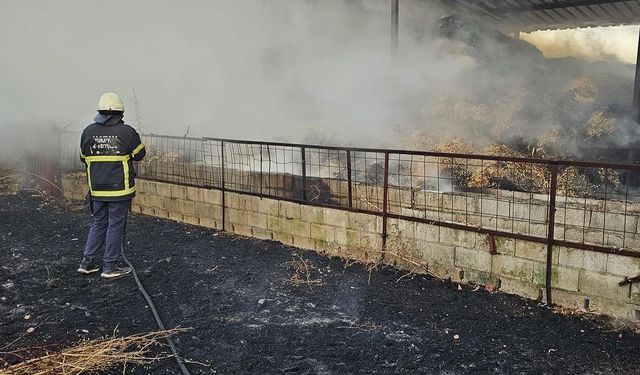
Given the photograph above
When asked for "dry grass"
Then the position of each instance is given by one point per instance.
(583, 90)
(401, 253)
(303, 271)
(51, 281)
(600, 125)
(497, 174)
(363, 327)
(93, 356)
(362, 198)
(457, 168)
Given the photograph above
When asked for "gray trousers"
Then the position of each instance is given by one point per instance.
(107, 232)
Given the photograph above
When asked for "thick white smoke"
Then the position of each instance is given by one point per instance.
(243, 68)
(273, 69)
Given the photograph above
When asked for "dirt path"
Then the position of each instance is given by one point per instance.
(248, 320)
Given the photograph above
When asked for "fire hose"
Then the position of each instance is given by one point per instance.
(152, 307)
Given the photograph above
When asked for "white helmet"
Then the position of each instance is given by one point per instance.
(110, 102)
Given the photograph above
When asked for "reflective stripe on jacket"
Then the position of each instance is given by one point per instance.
(108, 149)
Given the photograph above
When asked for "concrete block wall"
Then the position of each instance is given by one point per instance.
(519, 267)
(328, 231)
(74, 185)
(614, 224)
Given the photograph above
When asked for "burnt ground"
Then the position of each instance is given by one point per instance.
(247, 319)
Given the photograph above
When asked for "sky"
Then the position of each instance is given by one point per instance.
(620, 42)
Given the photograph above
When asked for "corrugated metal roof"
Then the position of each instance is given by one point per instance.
(530, 15)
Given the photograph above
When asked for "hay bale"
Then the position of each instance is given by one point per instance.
(549, 139)
(509, 175)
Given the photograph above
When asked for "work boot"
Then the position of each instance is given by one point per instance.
(88, 266)
(115, 271)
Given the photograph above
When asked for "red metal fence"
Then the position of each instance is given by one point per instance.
(585, 205)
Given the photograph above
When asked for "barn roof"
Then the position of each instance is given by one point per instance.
(531, 15)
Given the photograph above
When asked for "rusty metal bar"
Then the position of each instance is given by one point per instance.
(385, 202)
(516, 236)
(574, 163)
(493, 249)
(598, 249)
(304, 173)
(553, 190)
(349, 181)
(222, 175)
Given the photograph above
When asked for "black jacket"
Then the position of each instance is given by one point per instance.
(108, 147)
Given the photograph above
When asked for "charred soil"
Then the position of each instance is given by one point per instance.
(249, 318)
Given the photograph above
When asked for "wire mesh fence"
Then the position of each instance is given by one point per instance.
(501, 196)
(599, 205)
(579, 204)
(180, 160)
(70, 152)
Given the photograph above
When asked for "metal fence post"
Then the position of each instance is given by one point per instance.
(304, 173)
(349, 187)
(385, 200)
(551, 229)
(261, 172)
(58, 157)
(223, 186)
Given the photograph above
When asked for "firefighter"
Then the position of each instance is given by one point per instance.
(108, 148)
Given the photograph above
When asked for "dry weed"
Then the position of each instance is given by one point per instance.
(398, 253)
(303, 271)
(92, 356)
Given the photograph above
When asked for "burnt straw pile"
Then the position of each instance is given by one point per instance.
(519, 102)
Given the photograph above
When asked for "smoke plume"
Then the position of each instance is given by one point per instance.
(316, 70)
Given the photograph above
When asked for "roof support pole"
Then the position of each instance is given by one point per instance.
(395, 16)
(632, 153)
(636, 88)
